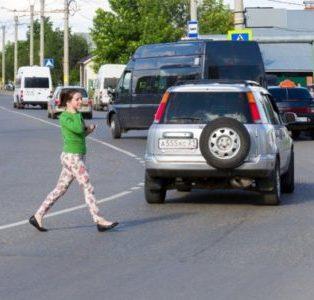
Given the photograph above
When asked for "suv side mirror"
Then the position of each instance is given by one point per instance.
(289, 117)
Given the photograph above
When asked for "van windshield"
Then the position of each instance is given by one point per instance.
(203, 107)
(36, 82)
(110, 82)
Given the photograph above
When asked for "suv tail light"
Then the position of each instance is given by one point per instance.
(305, 110)
(256, 117)
(161, 108)
(57, 102)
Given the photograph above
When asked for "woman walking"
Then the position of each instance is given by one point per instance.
(73, 131)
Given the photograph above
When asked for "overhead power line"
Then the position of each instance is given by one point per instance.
(286, 2)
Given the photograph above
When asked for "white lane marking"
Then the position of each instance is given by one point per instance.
(29, 116)
(141, 184)
(67, 210)
(136, 188)
(113, 147)
(90, 138)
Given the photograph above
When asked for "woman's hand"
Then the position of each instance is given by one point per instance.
(89, 129)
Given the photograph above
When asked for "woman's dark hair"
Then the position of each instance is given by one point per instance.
(67, 96)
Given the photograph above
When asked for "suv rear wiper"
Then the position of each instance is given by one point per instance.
(185, 118)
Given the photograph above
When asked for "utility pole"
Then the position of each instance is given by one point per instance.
(31, 37)
(238, 14)
(42, 32)
(16, 22)
(193, 10)
(3, 56)
(66, 44)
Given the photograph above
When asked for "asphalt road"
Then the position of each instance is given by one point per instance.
(199, 245)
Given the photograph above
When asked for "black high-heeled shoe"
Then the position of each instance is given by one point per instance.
(33, 221)
(102, 228)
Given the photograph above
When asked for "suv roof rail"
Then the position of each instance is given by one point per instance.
(223, 81)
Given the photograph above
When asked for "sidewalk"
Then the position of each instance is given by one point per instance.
(6, 93)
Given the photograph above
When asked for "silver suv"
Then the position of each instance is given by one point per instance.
(219, 135)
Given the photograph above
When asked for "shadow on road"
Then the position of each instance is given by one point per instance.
(128, 223)
(216, 197)
(134, 137)
(136, 222)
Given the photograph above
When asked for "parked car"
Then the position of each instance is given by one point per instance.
(107, 78)
(55, 107)
(33, 87)
(299, 101)
(219, 135)
(154, 68)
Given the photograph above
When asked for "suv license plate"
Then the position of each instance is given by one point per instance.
(177, 143)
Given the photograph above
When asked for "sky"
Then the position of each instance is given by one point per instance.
(81, 21)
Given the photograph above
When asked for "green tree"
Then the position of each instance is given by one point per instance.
(214, 17)
(133, 23)
(78, 48)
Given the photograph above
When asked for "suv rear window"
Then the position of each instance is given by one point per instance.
(36, 82)
(298, 94)
(279, 95)
(203, 107)
(290, 94)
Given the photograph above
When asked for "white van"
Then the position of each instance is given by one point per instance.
(107, 77)
(33, 86)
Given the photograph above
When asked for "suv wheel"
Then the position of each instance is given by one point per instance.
(225, 143)
(115, 127)
(287, 179)
(273, 197)
(155, 192)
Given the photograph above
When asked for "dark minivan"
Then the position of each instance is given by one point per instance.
(154, 68)
(299, 101)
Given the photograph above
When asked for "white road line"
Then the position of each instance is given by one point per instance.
(90, 138)
(113, 147)
(67, 210)
(141, 184)
(136, 188)
(29, 116)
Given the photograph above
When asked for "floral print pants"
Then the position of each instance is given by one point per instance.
(73, 166)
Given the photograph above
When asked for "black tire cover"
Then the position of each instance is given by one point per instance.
(225, 163)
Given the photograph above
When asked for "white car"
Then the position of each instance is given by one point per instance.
(55, 107)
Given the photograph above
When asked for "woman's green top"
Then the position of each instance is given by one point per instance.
(73, 132)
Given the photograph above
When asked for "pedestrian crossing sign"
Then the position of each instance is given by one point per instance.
(49, 62)
(240, 35)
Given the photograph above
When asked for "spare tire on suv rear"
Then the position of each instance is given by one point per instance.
(225, 143)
